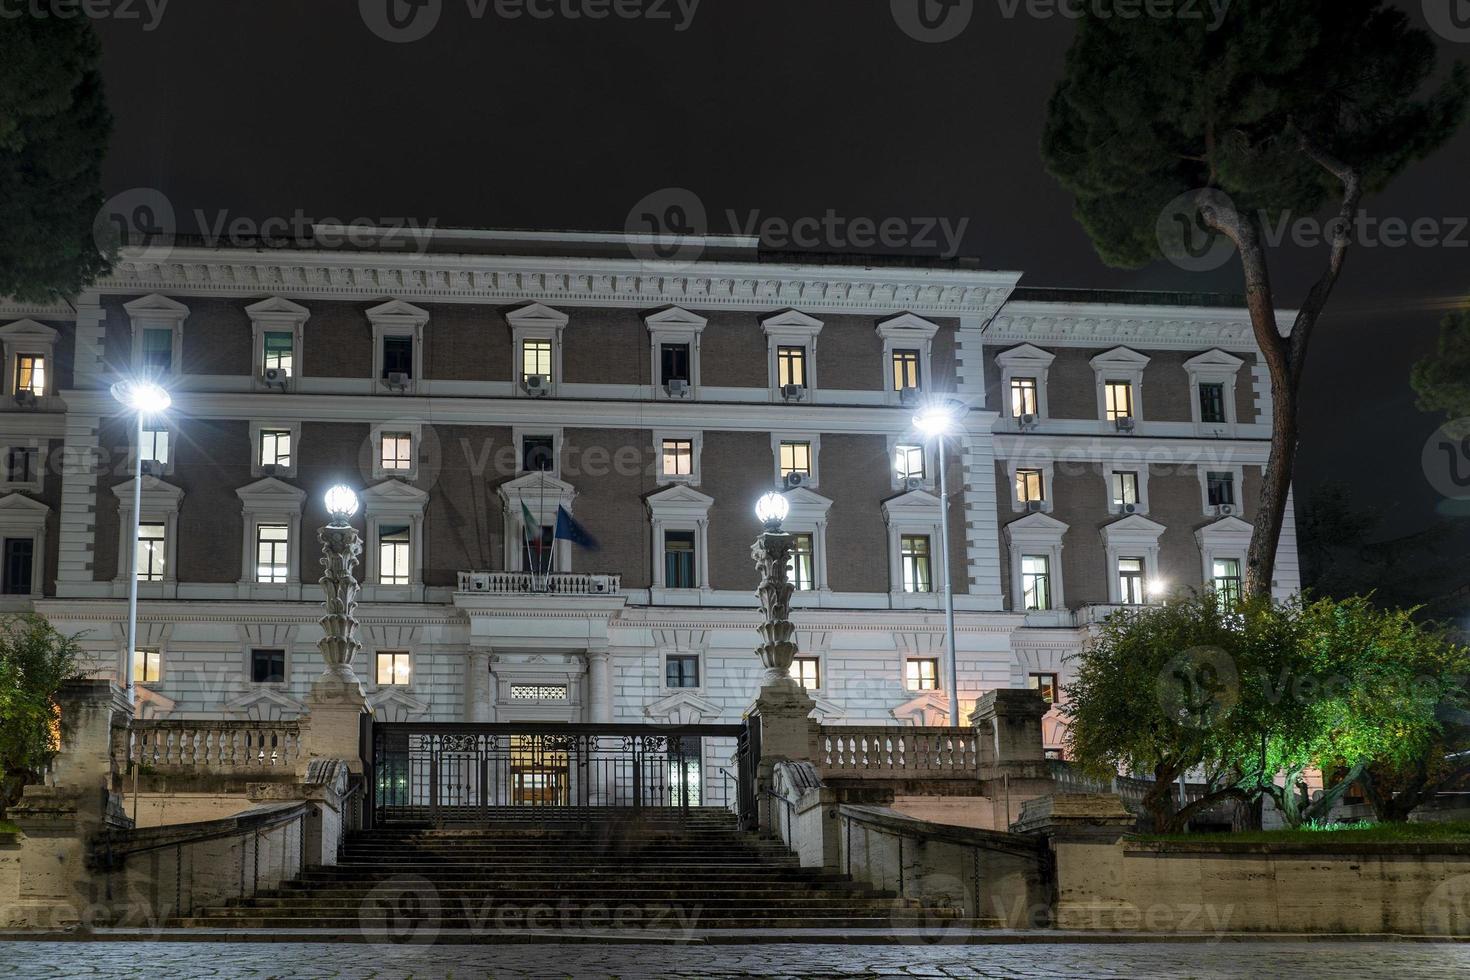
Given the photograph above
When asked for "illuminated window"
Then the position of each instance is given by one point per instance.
(1046, 684)
(272, 563)
(908, 462)
(790, 366)
(1036, 581)
(279, 353)
(679, 560)
(275, 448)
(1029, 485)
(1227, 580)
(796, 457)
(681, 670)
(147, 666)
(394, 667)
(397, 451)
(905, 369)
(678, 457)
(914, 560)
(1220, 488)
(30, 374)
(1023, 397)
(1130, 581)
(1125, 488)
(394, 557)
(151, 552)
(536, 359)
(799, 565)
(921, 674)
(268, 666)
(1118, 398)
(808, 672)
(1212, 402)
(155, 445)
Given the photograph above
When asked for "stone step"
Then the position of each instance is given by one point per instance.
(557, 900)
(897, 920)
(823, 889)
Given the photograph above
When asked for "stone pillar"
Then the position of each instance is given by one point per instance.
(479, 688)
(337, 700)
(599, 687)
(1007, 724)
(1082, 830)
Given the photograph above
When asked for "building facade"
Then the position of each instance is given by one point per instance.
(1111, 452)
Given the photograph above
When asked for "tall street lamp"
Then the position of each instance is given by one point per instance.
(936, 421)
(772, 552)
(341, 548)
(145, 400)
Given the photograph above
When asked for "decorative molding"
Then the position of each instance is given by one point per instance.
(1109, 324)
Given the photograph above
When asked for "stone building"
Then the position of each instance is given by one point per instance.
(1111, 452)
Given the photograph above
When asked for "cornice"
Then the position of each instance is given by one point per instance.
(14, 309)
(1109, 325)
(567, 281)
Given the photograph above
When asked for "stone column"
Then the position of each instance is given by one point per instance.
(1012, 756)
(479, 688)
(1082, 830)
(337, 699)
(599, 687)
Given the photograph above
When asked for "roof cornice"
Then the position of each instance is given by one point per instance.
(1107, 325)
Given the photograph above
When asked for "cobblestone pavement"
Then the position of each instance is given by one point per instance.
(1176, 961)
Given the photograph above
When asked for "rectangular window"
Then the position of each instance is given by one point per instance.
(155, 446)
(279, 353)
(790, 366)
(394, 556)
(1220, 488)
(275, 447)
(147, 666)
(1118, 398)
(679, 560)
(908, 462)
(393, 667)
(905, 369)
(30, 374)
(1227, 581)
(538, 454)
(18, 555)
(674, 363)
(921, 674)
(538, 551)
(271, 553)
(398, 356)
(158, 351)
(21, 464)
(1212, 402)
(1125, 488)
(678, 457)
(681, 670)
(799, 566)
(808, 672)
(1023, 397)
(1130, 581)
(796, 457)
(1036, 582)
(535, 359)
(268, 666)
(1046, 684)
(397, 451)
(152, 551)
(1029, 486)
(914, 560)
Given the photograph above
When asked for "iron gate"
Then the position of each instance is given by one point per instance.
(469, 773)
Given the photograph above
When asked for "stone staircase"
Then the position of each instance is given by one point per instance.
(656, 875)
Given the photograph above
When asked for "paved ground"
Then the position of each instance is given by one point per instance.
(1176, 961)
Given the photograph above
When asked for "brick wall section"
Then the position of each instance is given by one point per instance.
(606, 346)
(733, 352)
(331, 453)
(210, 464)
(1167, 393)
(850, 354)
(217, 337)
(337, 341)
(856, 476)
(737, 469)
(1174, 501)
(462, 343)
(464, 523)
(611, 505)
(117, 334)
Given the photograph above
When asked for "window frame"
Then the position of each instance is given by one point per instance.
(918, 686)
(394, 656)
(157, 312)
(791, 328)
(813, 442)
(161, 502)
(1214, 366)
(684, 658)
(1036, 534)
(679, 508)
(1047, 469)
(1024, 361)
(1237, 480)
(23, 517)
(35, 465)
(535, 321)
(27, 338)
(674, 325)
(1121, 365)
(1034, 682)
(276, 316)
(396, 318)
(695, 438)
(907, 332)
(797, 672)
(250, 662)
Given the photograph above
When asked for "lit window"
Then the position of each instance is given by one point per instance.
(535, 359)
(538, 454)
(1125, 488)
(30, 374)
(268, 666)
(275, 447)
(19, 554)
(1227, 581)
(1029, 486)
(393, 667)
(1023, 397)
(790, 366)
(21, 464)
(799, 565)
(279, 353)
(1212, 402)
(808, 672)
(1118, 398)
(271, 561)
(398, 356)
(1220, 487)
(1046, 684)
(679, 560)
(678, 457)
(914, 559)
(1130, 581)
(147, 666)
(922, 674)
(681, 670)
(393, 554)
(155, 446)
(152, 540)
(908, 462)
(796, 457)
(158, 351)
(674, 363)
(397, 451)
(1036, 581)
(905, 369)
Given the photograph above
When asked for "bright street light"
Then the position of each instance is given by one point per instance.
(772, 509)
(341, 503)
(143, 399)
(936, 420)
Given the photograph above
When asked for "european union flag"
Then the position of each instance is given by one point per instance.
(569, 530)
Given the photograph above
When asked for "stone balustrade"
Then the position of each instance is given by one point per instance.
(879, 750)
(202, 745)
(524, 583)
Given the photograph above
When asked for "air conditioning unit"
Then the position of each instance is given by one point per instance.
(537, 385)
(793, 393)
(479, 582)
(677, 388)
(909, 396)
(913, 482)
(25, 398)
(397, 380)
(1035, 506)
(274, 378)
(152, 467)
(1225, 510)
(1130, 508)
(1125, 424)
(1028, 420)
(794, 480)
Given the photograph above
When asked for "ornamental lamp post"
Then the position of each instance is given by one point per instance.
(935, 421)
(772, 552)
(341, 548)
(145, 400)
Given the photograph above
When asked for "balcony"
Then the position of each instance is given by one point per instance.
(524, 583)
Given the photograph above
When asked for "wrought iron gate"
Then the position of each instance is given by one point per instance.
(452, 773)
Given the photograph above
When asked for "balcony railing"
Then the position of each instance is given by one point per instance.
(893, 750)
(190, 745)
(525, 583)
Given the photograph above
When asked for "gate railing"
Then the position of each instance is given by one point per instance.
(461, 773)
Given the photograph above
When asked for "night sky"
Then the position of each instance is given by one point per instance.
(788, 108)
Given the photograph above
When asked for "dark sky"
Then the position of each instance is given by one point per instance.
(260, 108)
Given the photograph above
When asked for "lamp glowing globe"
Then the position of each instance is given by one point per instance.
(143, 397)
(772, 509)
(341, 503)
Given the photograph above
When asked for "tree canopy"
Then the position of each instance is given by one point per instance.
(1442, 380)
(34, 661)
